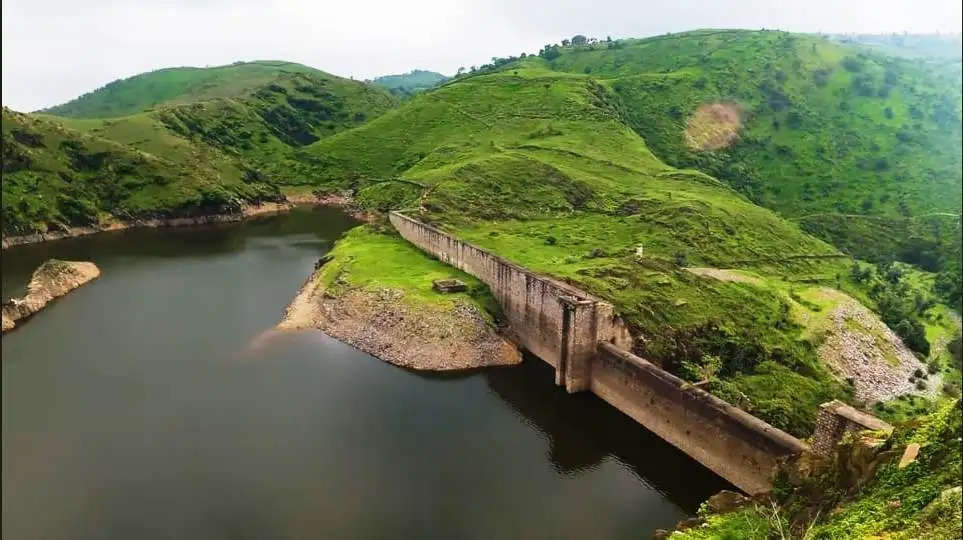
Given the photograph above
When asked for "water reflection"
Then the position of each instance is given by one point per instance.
(581, 431)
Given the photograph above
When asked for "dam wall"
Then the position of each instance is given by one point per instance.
(587, 344)
(553, 320)
(729, 441)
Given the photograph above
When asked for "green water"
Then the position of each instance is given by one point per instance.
(154, 402)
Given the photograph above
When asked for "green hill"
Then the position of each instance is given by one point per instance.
(241, 143)
(55, 176)
(543, 163)
(261, 127)
(406, 84)
(181, 85)
(540, 167)
(682, 178)
(831, 136)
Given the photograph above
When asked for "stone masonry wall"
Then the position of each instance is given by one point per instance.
(731, 442)
(835, 420)
(542, 311)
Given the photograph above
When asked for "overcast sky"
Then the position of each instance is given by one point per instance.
(55, 50)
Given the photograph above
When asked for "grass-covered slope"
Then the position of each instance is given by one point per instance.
(243, 143)
(541, 168)
(179, 85)
(861, 149)
(261, 128)
(55, 176)
(546, 161)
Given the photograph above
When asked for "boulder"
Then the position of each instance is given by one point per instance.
(726, 501)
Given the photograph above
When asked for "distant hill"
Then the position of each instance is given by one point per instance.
(182, 85)
(410, 83)
(908, 45)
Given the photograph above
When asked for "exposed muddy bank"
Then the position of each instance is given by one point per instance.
(382, 323)
(51, 280)
(344, 202)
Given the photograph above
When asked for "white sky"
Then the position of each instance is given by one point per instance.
(55, 50)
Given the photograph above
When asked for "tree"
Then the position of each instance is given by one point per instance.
(550, 52)
(460, 70)
(579, 39)
(565, 43)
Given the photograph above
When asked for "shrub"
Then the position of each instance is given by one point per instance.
(821, 77)
(852, 64)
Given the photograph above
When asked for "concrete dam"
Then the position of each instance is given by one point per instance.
(588, 345)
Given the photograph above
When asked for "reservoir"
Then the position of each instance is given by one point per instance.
(156, 402)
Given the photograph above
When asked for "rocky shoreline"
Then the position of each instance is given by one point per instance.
(382, 323)
(51, 280)
(247, 212)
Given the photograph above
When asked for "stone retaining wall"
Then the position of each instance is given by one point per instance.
(835, 420)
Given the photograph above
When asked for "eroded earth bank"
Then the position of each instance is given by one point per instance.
(51, 280)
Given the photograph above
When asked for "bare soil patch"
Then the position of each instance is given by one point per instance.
(713, 126)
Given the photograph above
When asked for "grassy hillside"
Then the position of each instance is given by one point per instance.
(54, 176)
(178, 85)
(240, 145)
(579, 165)
(862, 150)
(540, 167)
(406, 84)
(544, 167)
(261, 128)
